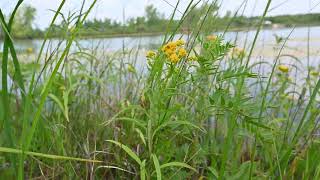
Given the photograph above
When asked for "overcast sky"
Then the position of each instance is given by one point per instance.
(114, 8)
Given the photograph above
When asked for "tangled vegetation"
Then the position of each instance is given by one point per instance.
(201, 109)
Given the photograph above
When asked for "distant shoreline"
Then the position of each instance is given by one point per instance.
(146, 34)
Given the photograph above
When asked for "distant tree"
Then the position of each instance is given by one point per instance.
(29, 14)
(228, 14)
(152, 15)
(116, 24)
(23, 24)
(141, 20)
(140, 23)
(131, 23)
(196, 16)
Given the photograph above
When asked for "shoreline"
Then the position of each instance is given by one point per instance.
(146, 34)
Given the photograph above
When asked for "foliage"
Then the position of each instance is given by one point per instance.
(23, 26)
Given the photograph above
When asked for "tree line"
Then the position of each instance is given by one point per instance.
(152, 22)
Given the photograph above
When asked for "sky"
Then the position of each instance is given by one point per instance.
(114, 9)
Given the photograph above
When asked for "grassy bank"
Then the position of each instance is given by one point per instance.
(201, 108)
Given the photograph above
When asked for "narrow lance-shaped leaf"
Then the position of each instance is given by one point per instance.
(49, 156)
(178, 164)
(157, 166)
(127, 150)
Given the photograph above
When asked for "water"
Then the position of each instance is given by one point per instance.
(297, 41)
(265, 47)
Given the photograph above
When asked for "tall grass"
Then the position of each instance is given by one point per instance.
(207, 113)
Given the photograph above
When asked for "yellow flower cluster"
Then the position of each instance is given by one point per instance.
(131, 68)
(151, 54)
(238, 52)
(315, 73)
(174, 58)
(175, 50)
(193, 58)
(291, 97)
(212, 38)
(29, 50)
(180, 42)
(283, 68)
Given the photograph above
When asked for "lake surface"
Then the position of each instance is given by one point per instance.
(297, 41)
(266, 48)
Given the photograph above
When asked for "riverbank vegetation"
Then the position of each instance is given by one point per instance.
(199, 108)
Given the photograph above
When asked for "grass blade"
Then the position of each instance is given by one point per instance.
(178, 164)
(157, 166)
(127, 150)
(49, 156)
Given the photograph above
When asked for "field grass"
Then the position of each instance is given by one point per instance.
(203, 108)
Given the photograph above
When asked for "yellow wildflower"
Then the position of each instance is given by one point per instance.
(165, 48)
(238, 51)
(169, 52)
(174, 51)
(29, 50)
(283, 68)
(212, 37)
(291, 97)
(193, 58)
(180, 42)
(170, 46)
(151, 54)
(131, 68)
(174, 58)
(315, 73)
(182, 52)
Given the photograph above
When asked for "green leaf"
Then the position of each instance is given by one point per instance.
(214, 172)
(141, 136)
(186, 123)
(242, 172)
(115, 167)
(143, 170)
(49, 156)
(178, 164)
(127, 150)
(157, 166)
(4, 27)
(56, 100)
(61, 106)
(65, 102)
(258, 124)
